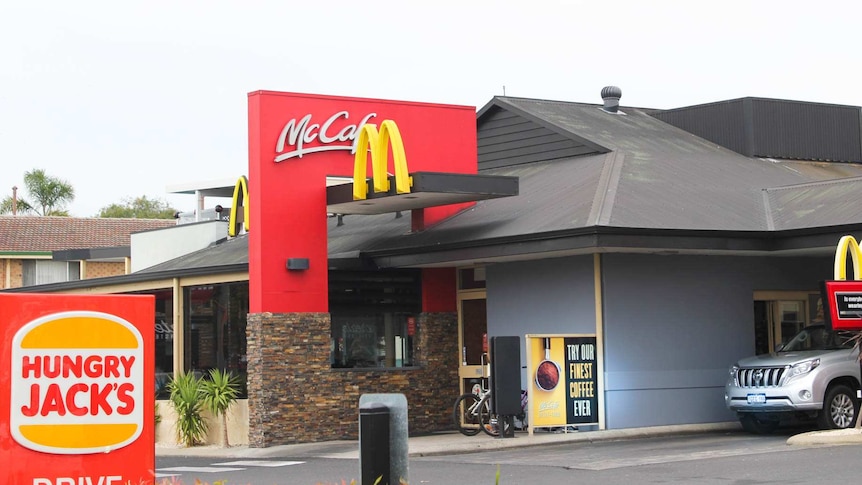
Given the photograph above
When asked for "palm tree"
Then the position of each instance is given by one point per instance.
(50, 193)
(219, 392)
(21, 206)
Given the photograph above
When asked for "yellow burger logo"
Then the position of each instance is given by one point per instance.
(76, 383)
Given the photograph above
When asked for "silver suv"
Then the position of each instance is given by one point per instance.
(816, 375)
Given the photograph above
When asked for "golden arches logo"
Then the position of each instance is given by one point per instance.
(240, 199)
(847, 244)
(378, 144)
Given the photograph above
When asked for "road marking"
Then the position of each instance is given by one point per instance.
(200, 469)
(259, 463)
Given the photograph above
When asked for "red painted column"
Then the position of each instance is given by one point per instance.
(295, 142)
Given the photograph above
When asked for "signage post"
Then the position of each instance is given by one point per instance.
(842, 298)
(79, 375)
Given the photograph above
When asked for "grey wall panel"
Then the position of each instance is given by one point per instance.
(721, 123)
(806, 131)
(665, 407)
(674, 324)
(759, 127)
(496, 161)
(543, 296)
(505, 139)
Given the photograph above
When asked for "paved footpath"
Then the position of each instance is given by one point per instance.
(455, 443)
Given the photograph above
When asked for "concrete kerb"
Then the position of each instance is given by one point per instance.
(830, 437)
(446, 443)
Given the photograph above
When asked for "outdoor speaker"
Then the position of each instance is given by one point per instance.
(297, 264)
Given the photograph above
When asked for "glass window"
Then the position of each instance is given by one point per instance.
(41, 272)
(373, 318)
(215, 324)
(471, 278)
(164, 339)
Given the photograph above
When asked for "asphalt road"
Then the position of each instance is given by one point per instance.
(708, 458)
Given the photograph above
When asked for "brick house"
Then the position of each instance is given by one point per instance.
(37, 250)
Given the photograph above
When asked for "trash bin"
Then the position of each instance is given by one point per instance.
(374, 441)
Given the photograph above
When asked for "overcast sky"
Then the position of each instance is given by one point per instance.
(123, 98)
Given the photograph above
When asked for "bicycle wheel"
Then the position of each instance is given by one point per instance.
(466, 414)
(521, 422)
(491, 423)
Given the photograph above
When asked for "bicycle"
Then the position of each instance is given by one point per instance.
(466, 412)
(491, 421)
(472, 413)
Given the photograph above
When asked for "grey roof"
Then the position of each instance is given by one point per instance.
(816, 204)
(345, 240)
(663, 177)
(655, 177)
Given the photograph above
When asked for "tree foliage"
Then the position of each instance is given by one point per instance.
(23, 207)
(50, 195)
(139, 208)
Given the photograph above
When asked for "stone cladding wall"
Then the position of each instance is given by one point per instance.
(296, 397)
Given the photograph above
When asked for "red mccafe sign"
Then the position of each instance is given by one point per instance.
(295, 142)
(79, 410)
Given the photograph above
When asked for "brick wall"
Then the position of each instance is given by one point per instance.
(102, 269)
(296, 397)
(94, 270)
(16, 270)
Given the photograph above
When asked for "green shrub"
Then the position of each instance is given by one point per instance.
(219, 392)
(187, 400)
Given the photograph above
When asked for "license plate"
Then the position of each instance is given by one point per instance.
(757, 399)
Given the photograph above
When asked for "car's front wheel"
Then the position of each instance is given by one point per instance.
(758, 425)
(839, 408)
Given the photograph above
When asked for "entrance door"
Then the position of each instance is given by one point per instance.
(473, 330)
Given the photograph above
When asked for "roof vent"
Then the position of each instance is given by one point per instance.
(611, 96)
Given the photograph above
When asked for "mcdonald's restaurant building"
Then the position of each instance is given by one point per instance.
(679, 240)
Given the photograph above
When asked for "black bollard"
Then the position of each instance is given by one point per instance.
(374, 456)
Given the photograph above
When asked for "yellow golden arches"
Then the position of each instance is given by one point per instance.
(847, 244)
(240, 199)
(378, 143)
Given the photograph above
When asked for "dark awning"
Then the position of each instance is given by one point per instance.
(430, 189)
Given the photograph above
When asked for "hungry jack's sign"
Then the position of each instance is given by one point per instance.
(79, 376)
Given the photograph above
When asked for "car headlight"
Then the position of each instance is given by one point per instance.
(802, 368)
(733, 369)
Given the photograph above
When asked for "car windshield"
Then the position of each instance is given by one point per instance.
(819, 337)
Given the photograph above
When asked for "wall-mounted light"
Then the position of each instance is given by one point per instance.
(297, 264)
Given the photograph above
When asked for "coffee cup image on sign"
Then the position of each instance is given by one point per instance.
(548, 371)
